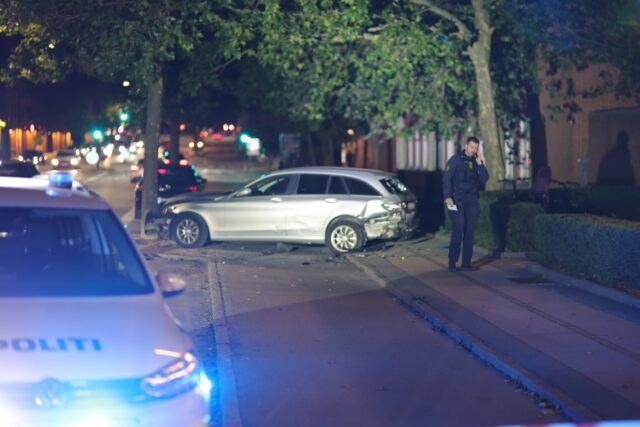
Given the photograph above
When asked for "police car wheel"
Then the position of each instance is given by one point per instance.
(189, 231)
(344, 236)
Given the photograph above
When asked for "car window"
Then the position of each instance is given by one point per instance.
(313, 184)
(360, 188)
(272, 186)
(394, 185)
(66, 153)
(336, 186)
(65, 252)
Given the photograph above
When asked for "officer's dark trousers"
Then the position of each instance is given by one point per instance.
(464, 222)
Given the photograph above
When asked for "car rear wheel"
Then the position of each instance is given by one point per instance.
(189, 231)
(344, 236)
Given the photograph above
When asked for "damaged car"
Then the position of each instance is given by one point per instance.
(343, 208)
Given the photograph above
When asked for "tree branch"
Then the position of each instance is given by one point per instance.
(463, 31)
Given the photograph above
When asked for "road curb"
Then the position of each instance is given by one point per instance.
(531, 382)
(585, 285)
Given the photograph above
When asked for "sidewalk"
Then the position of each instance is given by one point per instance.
(578, 350)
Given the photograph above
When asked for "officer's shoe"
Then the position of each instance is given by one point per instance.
(467, 268)
(453, 269)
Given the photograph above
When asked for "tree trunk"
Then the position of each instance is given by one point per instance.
(174, 134)
(311, 149)
(480, 53)
(152, 136)
(5, 140)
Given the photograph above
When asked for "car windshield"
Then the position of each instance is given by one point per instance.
(64, 252)
(66, 153)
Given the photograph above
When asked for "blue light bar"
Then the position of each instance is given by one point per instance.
(61, 179)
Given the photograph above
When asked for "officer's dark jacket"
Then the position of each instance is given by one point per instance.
(463, 175)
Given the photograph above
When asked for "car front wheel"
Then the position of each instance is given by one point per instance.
(189, 231)
(344, 236)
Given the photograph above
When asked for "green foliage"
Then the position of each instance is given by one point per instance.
(614, 201)
(505, 224)
(619, 201)
(373, 65)
(520, 226)
(595, 248)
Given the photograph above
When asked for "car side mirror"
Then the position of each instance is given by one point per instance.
(170, 283)
(244, 192)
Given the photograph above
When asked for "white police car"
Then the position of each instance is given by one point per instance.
(85, 339)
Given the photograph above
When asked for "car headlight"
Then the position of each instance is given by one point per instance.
(74, 162)
(6, 416)
(167, 210)
(180, 376)
(392, 206)
(55, 162)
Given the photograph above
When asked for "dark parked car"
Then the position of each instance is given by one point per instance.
(36, 157)
(172, 180)
(17, 168)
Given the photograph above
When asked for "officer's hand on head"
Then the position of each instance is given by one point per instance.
(449, 201)
(479, 158)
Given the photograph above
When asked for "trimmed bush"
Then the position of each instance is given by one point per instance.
(520, 226)
(622, 201)
(596, 248)
(504, 223)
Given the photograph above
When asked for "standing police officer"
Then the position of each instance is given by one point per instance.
(464, 175)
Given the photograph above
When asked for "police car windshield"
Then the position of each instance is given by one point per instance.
(65, 252)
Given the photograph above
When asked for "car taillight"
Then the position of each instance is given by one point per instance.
(183, 162)
(162, 171)
(192, 188)
(135, 168)
(140, 186)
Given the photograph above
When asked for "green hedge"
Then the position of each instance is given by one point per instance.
(620, 201)
(504, 223)
(595, 248)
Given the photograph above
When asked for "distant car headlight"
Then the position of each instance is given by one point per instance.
(180, 376)
(192, 144)
(200, 144)
(74, 162)
(55, 162)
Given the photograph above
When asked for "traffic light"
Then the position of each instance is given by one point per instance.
(124, 117)
(97, 134)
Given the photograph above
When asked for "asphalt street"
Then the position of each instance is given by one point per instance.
(302, 338)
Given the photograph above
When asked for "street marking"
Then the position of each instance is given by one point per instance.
(226, 378)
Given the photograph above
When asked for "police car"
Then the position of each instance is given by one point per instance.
(85, 339)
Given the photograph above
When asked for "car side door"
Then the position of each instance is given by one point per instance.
(259, 213)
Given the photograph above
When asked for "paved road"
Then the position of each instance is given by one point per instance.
(300, 338)
(306, 339)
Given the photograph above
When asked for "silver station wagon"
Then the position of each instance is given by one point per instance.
(340, 207)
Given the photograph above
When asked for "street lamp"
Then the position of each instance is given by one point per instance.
(126, 83)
